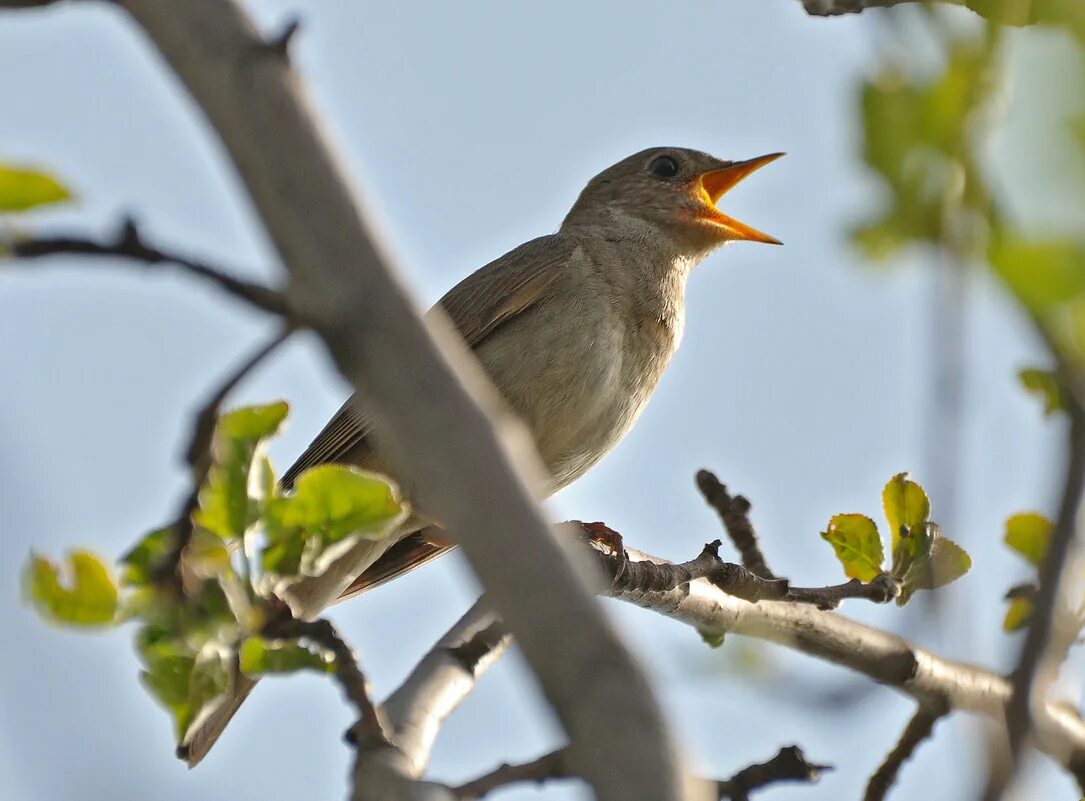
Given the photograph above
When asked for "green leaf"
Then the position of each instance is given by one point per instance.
(22, 189)
(259, 656)
(1045, 384)
(931, 560)
(143, 559)
(1029, 534)
(334, 502)
(1042, 274)
(857, 544)
(905, 504)
(225, 506)
(89, 599)
(1019, 612)
(253, 422)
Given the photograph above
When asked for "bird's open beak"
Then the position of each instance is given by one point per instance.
(714, 184)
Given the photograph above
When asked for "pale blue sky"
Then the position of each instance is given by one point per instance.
(471, 126)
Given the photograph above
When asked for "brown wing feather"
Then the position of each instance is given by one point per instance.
(410, 552)
(477, 306)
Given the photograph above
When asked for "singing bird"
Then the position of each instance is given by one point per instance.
(574, 329)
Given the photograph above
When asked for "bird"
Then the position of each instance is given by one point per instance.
(574, 330)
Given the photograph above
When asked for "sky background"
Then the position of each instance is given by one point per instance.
(803, 381)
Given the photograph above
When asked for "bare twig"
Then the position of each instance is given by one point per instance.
(835, 8)
(734, 511)
(198, 455)
(371, 731)
(789, 764)
(547, 767)
(629, 576)
(128, 244)
(919, 728)
(434, 414)
(1038, 636)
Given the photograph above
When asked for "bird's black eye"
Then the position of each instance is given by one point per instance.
(663, 167)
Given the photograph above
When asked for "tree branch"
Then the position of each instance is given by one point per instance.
(1038, 637)
(734, 512)
(371, 731)
(197, 455)
(919, 728)
(441, 681)
(128, 244)
(836, 8)
(444, 448)
(789, 764)
(879, 655)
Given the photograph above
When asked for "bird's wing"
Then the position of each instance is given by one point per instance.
(412, 551)
(477, 306)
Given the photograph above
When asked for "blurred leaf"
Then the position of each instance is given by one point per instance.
(253, 422)
(1029, 534)
(259, 656)
(225, 506)
(89, 599)
(905, 504)
(1042, 274)
(142, 560)
(207, 684)
(22, 189)
(335, 501)
(857, 544)
(168, 664)
(1008, 12)
(1017, 614)
(1045, 384)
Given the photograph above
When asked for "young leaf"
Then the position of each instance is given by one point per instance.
(1017, 614)
(1029, 534)
(258, 656)
(857, 544)
(225, 507)
(1044, 384)
(334, 502)
(22, 189)
(933, 561)
(90, 599)
(905, 504)
(142, 560)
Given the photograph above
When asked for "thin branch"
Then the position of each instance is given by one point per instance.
(836, 8)
(734, 511)
(1038, 636)
(790, 764)
(919, 728)
(630, 576)
(372, 731)
(546, 768)
(128, 244)
(445, 432)
(198, 454)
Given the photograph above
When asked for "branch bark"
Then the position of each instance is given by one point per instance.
(446, 448)
(886, 658)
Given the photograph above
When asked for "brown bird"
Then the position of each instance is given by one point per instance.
(574, 329)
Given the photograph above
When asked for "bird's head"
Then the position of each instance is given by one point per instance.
(673, 190)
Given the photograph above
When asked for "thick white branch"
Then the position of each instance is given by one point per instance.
(440, 682)
(439, 440)
(888, 659)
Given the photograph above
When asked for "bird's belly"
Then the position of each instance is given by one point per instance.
(579, 389)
